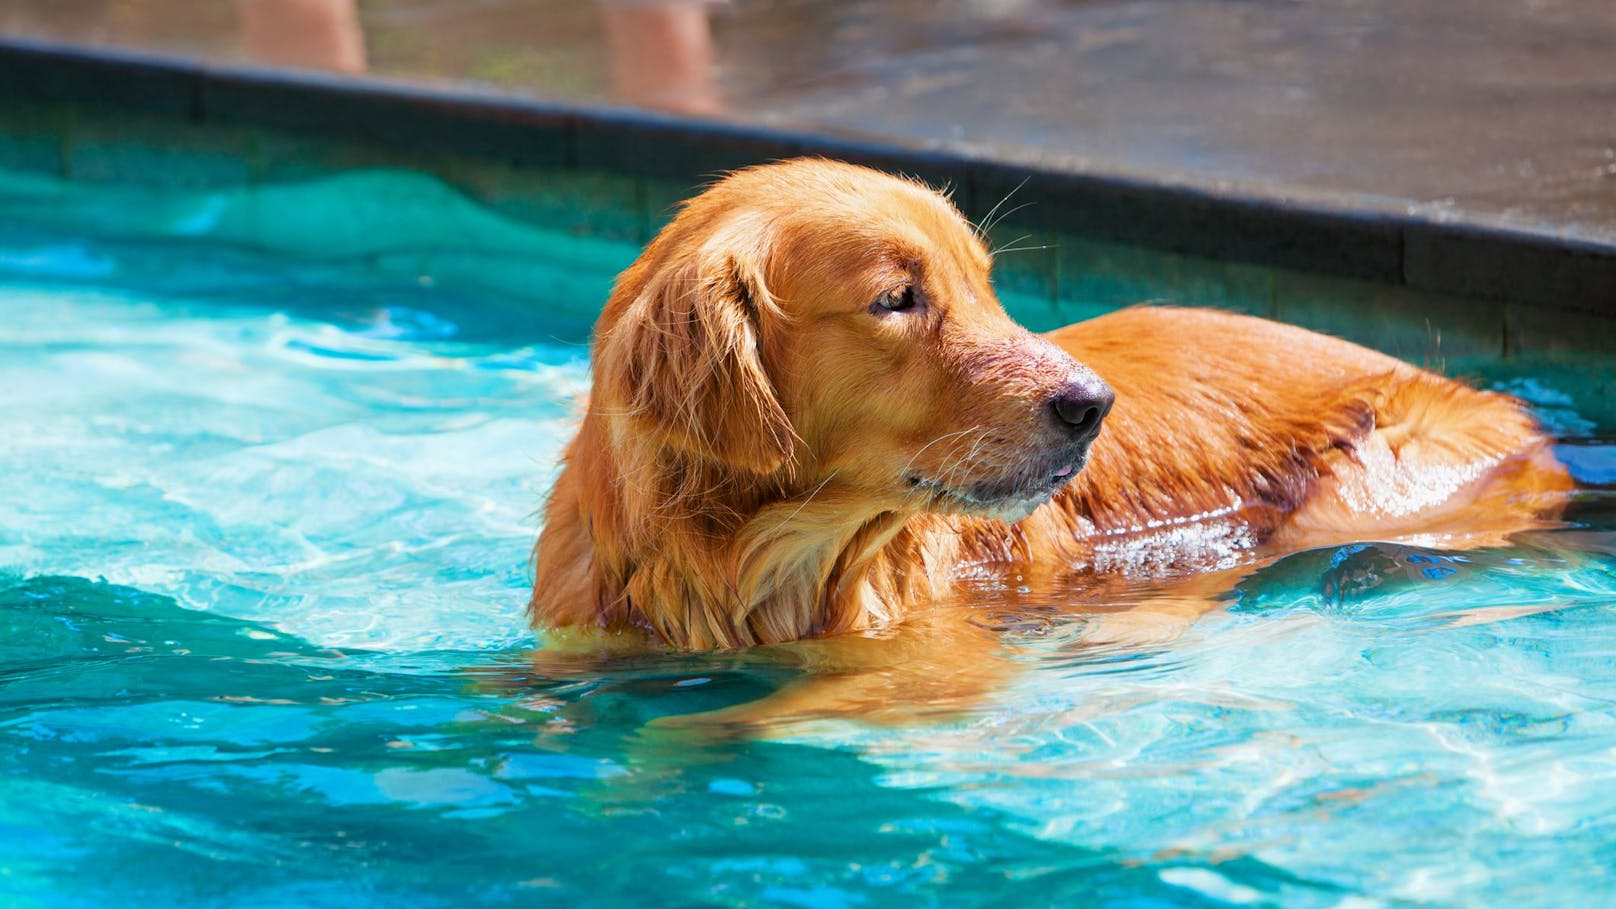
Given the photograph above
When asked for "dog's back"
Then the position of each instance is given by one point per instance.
(1313, 439)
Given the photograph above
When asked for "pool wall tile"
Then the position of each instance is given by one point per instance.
(115, 80)
(659, 147)
(1571, 352)
(1498, 264)
(1581, 382)
(1343, 265)
(33, 138)
(1026, 262)
(580, 202)
(659, 200)
(280, 156)
(1039, 313)
(1113, 275)
(141, 150)
(390, 116)
(1535, 330)
(1196, 222)
(1006, 195)
(1427, 329)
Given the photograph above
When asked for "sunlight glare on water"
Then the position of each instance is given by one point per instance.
(264, 529)
(278, 468)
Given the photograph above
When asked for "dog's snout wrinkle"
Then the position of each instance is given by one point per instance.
(1081, 404)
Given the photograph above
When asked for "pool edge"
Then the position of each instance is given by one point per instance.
(1329, 235)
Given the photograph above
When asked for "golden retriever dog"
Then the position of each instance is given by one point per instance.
(811, 416)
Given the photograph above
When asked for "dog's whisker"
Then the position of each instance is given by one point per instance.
(1011, 212)
(1011, 245)
(988, 220)
(964, 459)
(947, 473)
(914, 457)
(1016, 249)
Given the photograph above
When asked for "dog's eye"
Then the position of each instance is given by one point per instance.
(898, 299)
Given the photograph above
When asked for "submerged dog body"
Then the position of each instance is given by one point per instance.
(810, 415)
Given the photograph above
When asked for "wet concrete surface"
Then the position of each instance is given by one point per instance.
(1497, 111)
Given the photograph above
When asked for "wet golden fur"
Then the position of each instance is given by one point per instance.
(768, 456)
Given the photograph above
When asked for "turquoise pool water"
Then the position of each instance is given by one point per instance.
(269, 466)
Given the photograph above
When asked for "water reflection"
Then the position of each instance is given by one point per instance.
(1292, 752)
(145, 747)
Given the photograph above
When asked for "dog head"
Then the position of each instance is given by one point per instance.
(812, 320)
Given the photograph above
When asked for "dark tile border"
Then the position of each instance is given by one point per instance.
(1470, 258)
(1483, 261)
(389, 115)
(54, 74)
(1197, 221)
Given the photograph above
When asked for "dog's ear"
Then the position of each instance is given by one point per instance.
(683, 362)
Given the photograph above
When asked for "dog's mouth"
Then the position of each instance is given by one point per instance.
(1008, 499)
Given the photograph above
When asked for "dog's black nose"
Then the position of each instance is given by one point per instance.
(1080, 406)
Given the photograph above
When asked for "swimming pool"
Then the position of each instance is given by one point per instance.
(265, 512)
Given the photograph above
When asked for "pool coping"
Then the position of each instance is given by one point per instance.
(1455, 254)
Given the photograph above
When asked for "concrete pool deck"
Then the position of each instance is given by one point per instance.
(1469, 153)
(1501, 112)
